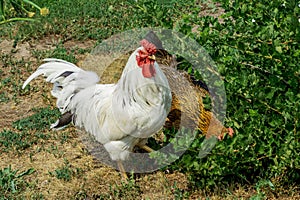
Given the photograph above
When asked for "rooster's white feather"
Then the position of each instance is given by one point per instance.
(120, 115)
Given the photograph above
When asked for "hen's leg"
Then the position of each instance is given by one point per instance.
(122, 170)
(145, 147)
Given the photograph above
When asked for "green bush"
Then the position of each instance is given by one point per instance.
(256, 49)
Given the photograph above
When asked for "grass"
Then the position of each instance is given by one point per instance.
(37, 163)
(38, 121)
(59, 52)
(12, 182)
(15, 141)
(65, 172)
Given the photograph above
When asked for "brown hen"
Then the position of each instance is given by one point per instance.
(187, 109)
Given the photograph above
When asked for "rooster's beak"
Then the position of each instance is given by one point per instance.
(152, 57)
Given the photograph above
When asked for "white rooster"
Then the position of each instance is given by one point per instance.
(120, 116)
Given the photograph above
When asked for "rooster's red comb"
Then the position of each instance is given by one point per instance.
(149, 47)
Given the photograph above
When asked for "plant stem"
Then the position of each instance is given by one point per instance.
(16, 19)
(33, 4)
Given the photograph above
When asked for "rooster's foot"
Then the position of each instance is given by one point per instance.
(122, 170)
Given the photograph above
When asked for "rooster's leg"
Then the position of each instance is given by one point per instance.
(122, 170)
(146, 148)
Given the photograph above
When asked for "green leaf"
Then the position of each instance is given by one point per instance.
(253, 113)
(27, 172)
(2, 14)
(278, 49)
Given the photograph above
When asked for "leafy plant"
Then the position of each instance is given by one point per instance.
(4, 97)
(39, 121)
(260, 187)
(12, 182)
(16, 142)
(60, 52)
(127, 190)
(65, 172)
(17, 10)
(254, 48)
(10, 140)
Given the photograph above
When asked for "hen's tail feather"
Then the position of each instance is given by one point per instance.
(52, 69)
(63, 121)
(68, 79)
